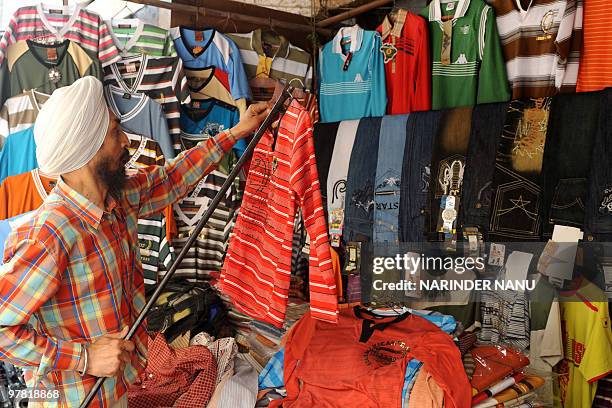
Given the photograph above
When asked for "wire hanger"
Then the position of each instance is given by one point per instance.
(299, 81)
(271, 28)
(227, 20)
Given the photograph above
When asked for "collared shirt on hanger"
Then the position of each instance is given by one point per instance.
(269, 56)
(467, 61)
(405, 49)
(352, 76)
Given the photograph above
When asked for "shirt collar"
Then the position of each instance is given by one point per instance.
(394, 29)
(257, 45)
(435, 11)
(356, 35)
(85, 209)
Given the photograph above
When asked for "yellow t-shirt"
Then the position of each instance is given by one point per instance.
(587, 341)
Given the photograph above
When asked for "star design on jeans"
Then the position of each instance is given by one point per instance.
(520, 204)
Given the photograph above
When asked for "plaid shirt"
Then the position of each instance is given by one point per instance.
(75, 268)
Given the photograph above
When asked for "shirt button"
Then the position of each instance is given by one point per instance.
(144, 386)
(590, 238)
(478, 205)
(422, 211)
(150, 375)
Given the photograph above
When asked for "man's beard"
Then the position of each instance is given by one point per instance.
(113, 179)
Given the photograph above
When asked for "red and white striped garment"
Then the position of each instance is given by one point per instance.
(44, 23)
(282, 176)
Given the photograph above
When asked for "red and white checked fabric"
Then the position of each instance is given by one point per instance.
(186, 377)
(257, 271)
(75, 24)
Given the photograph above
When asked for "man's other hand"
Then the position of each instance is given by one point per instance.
(108, 355)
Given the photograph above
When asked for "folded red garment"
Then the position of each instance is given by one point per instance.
(494, 363)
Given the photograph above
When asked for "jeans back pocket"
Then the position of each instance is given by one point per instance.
(567, 205)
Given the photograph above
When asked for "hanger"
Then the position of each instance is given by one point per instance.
(299, 81)
(227, 20)
(270, 29)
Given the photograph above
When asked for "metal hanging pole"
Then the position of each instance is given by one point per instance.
(286, 94)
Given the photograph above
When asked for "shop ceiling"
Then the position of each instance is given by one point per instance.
(235, 16)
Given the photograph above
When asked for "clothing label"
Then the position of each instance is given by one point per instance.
(497, 254)
(518, 265)
(448, 214)
(197, 50)
(336, 223)
(130, 68)
(127, 96)
(450, 6)
(608, 279)
(447, 28)
(564, 257)
(124, 26)
(52, 54)
(353, 262)
(56, 11)
(199, 36)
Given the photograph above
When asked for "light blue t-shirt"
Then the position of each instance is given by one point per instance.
(208, 117)
(140, 115)
(352, 76)
(18, 154)
(212, 49)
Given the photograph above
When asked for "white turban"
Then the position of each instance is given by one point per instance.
(71, 127)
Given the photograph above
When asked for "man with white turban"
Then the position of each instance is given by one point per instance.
(74, 265)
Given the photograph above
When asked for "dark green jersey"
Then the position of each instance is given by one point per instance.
(476, 71)
(30, 65)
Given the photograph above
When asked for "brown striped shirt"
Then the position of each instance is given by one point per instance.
(541, 44)
(20, 112)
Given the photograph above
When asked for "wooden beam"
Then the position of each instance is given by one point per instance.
(352, 13)
(248, 9)
(206, 12)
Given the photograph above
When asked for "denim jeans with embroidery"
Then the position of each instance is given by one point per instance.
(573, 124)
(448, 163)
(359, 198)
(487, 127)
(388, 178)
(599, 202)
(515, 211)
(416, 175)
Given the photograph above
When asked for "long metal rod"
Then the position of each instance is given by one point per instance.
(209, 12)
(352, 13)
(213, 205)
